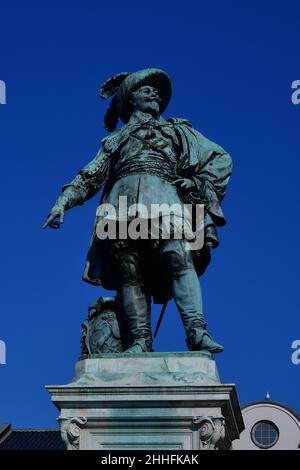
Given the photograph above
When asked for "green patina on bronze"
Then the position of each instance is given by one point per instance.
(150, 160)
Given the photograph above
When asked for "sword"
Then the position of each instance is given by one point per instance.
(160, 317)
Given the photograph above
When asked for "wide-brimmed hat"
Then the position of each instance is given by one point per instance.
(122, 86)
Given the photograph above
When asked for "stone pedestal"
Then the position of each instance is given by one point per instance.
(158, 401)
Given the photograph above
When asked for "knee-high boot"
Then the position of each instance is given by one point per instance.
(135, 309)
(187, 296)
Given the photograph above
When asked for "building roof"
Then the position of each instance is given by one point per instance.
(273, 402)
(30, 439)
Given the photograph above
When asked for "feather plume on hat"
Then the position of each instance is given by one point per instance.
(111, 86)
(108, 89)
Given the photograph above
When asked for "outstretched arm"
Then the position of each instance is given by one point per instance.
(83, 187)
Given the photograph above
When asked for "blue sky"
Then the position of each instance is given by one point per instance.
(232, 65)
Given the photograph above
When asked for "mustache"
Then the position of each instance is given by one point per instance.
(153, 98)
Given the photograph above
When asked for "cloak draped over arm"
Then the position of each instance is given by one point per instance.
(209, 166)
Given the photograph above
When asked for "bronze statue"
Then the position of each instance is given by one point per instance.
(150, 160)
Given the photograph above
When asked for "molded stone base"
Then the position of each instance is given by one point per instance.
(156, 401)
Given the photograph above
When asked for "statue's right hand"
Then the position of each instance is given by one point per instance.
(56, 213)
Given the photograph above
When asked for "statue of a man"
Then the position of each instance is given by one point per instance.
(151, 160)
